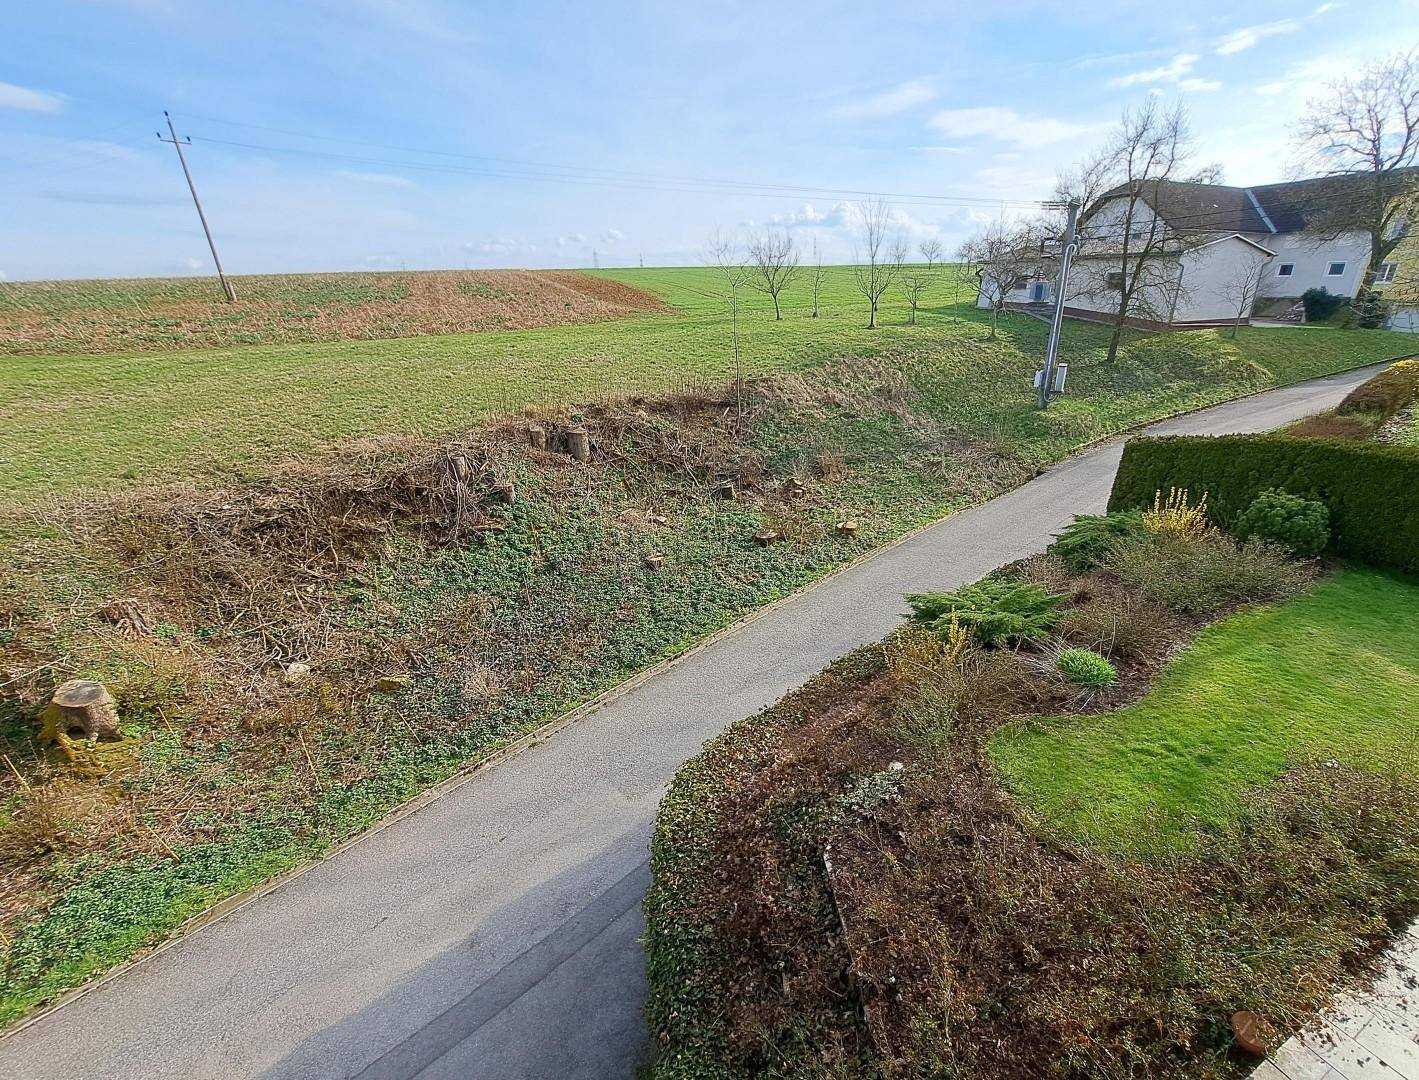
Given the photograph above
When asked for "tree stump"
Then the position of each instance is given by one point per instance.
(537, 437)
(847, 528)
(80, 705)
(127, 616)
(1247, 1027)
(579, 443)
(725, 490)
(767, 537)
(653, 560)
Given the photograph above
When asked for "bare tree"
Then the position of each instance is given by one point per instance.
(773, 264)
(1126, 245)
(817, 276)
(722, 254)
(912, 281)
(930, 251)
(1241, 290)
(873, 269)
(1368, 125)
(1003, 255)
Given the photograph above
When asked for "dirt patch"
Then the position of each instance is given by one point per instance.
(181, 313)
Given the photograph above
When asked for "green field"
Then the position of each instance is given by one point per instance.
(69, 422)
(1332, 675)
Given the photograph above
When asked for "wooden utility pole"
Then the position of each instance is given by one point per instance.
(177, 143)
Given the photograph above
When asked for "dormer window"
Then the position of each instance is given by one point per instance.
(1285, 269)
(1335, 269)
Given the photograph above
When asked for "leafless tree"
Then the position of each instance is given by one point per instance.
(722, 254)
(773, 264)
(817, 275)
(1003, 255)
(873, 269)
(930, 251)
(1240, 291)
(912, 281)
(1367, 125)
(1127, 247)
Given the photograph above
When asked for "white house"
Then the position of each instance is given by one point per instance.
(1228, 251)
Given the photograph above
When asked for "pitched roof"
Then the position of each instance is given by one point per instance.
(1268, 208)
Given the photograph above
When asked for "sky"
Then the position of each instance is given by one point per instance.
(379, 134)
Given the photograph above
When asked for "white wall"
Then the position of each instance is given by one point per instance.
(1406, 318)
(1208, 274)
(1310, 260)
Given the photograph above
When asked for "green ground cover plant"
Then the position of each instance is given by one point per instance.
(1089, 538)
(996, 612)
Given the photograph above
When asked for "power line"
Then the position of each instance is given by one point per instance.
(585, 172)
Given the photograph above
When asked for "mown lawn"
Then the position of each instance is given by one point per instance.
(1332, 675)
(69, 422)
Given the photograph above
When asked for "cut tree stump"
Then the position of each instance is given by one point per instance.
(767, 537)
(127, 616)
(80, 706)
(579, 443)
(847, 528)
(653, 560)
(537, 437)
(1246, 1026)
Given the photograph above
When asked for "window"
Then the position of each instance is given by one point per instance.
(1285, 269)
(1335, 269)
(1115, 280)
(1384, 274)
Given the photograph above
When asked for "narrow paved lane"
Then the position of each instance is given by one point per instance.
(494, 934)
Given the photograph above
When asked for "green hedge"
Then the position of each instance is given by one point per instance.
(1372, 490)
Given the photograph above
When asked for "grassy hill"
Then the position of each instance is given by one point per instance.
(77, 421)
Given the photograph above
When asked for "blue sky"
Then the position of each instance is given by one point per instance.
(426, 133)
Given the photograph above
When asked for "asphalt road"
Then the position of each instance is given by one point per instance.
(494, 933)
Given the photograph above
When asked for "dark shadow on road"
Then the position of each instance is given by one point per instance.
(583, 1022)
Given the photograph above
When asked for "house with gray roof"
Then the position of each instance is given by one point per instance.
(1218, 254)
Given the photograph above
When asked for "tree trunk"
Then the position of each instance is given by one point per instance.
(994, 320)
(778, 315)
(872, 316)
(1114, 341)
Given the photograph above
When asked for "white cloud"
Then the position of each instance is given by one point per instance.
(1243, 39)
(1324, 8)
(612, 236)
(897, 100)
(938, 149)
(375, 178)
(1309, 76)
(1171, 72)
(192, 264)
(23, 98)
(570, 239)
(1004, 124)
(1199, 85)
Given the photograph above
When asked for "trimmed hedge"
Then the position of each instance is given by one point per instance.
(1372, 490)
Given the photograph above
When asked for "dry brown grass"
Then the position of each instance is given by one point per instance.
(178, 313)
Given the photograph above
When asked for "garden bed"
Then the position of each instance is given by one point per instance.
(850, 884)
